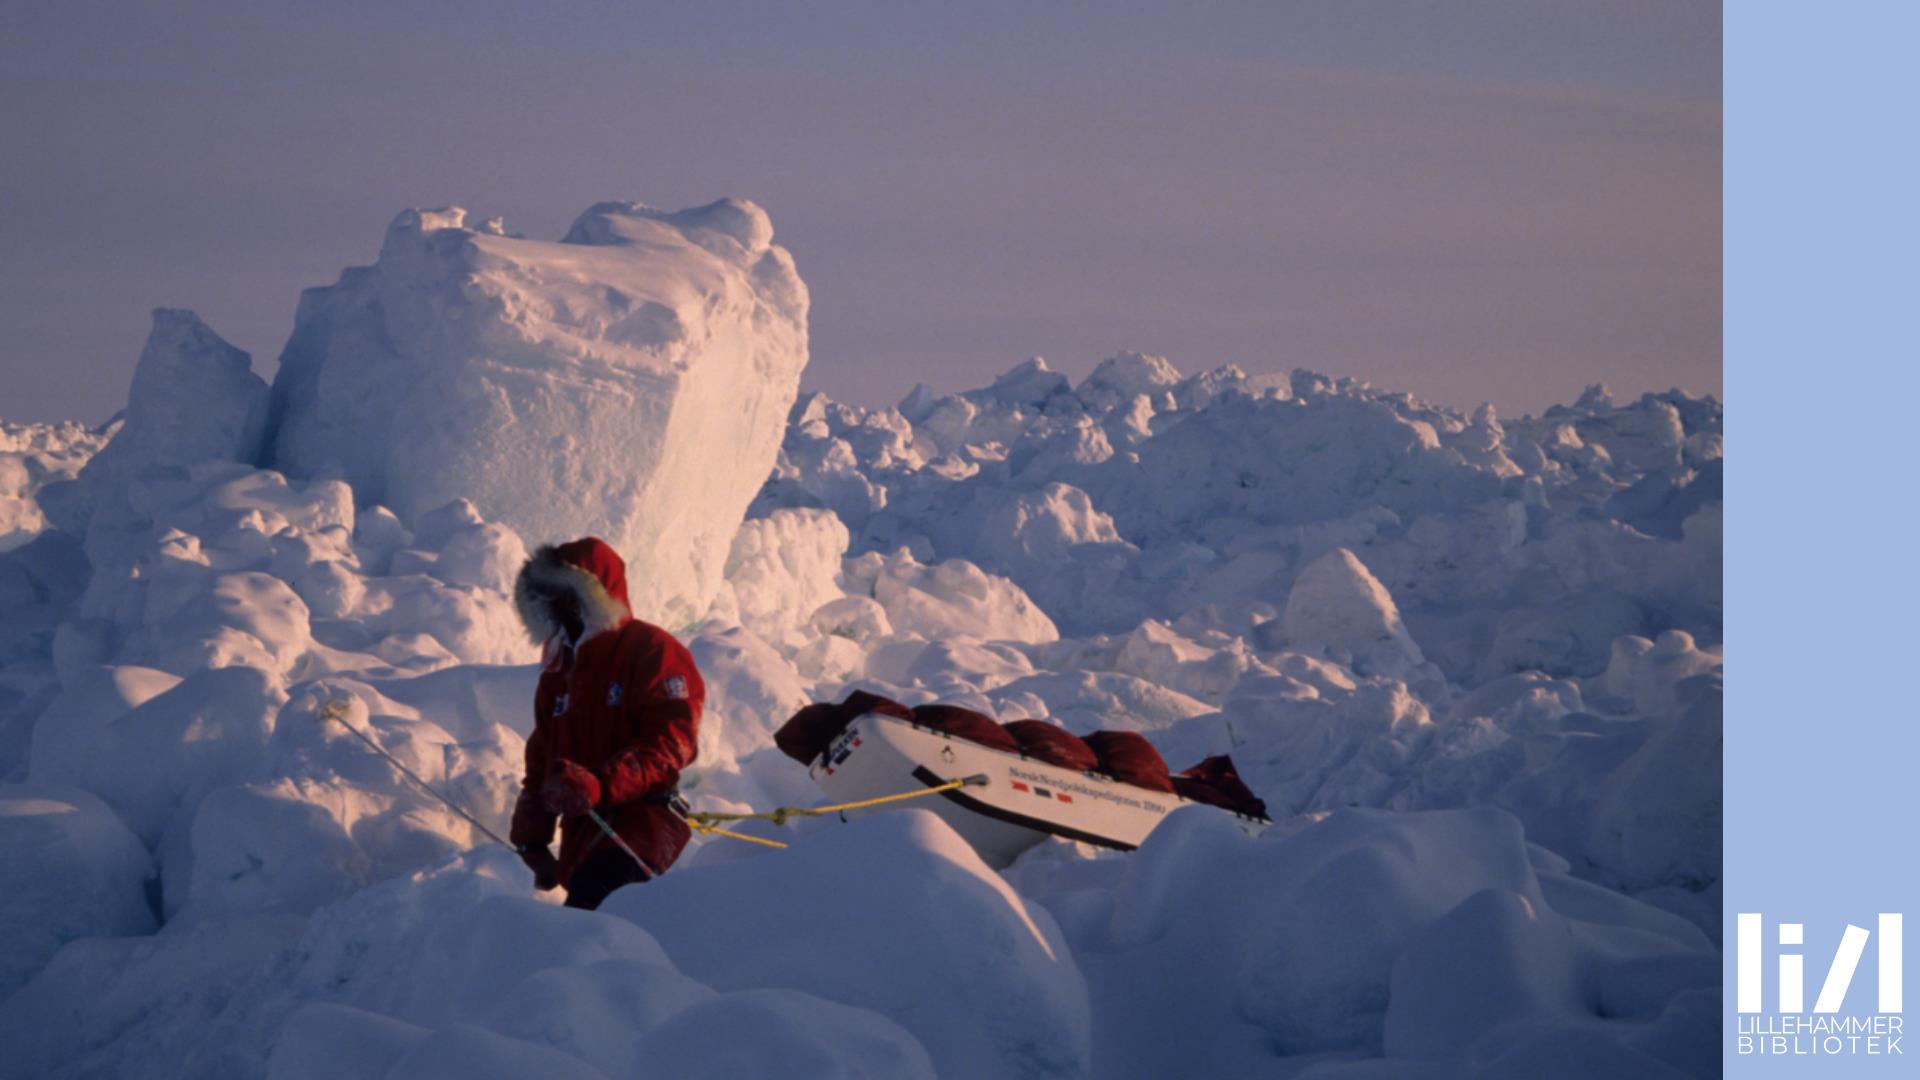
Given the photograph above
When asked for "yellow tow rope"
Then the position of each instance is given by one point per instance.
(705, 822)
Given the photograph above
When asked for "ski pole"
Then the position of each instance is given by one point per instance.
(615, 837)
(336, 709)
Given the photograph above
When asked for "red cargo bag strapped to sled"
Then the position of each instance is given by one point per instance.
(810, 731)
(966, 724)
(1052, 744)
(1216, 782)
(1127, 756)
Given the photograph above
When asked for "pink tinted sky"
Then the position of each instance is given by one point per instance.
(1485, 200)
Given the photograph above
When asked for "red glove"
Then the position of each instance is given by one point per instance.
(571, 789)
(546, 868)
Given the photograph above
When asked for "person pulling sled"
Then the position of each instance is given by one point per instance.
(616, 716)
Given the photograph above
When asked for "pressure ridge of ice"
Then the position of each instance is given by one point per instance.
(629, 381)
(1471, 663)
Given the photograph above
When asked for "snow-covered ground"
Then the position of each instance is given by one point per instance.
(1472, 665)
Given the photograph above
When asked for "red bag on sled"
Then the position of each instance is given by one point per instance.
(1215, 781)
(1128, 757)
(1052, 744)
(810, 731)
(965, 724)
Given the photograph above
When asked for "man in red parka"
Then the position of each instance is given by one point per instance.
(615, 720)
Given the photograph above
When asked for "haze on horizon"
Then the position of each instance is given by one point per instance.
(1495, 200)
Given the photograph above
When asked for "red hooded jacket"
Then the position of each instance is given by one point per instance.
(623, 701)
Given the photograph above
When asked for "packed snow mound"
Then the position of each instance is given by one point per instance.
(1656, 820)
(431, 953)
(1646, 674)
(783, 568)
(32, 458)
(1413, 936)
(992, 992)
(72, 870)
(194, 398)
(1119, 380)
(949, 598)
(1630, 800)
(1337, 607)
(451, 972)
(631, 381)
(751, 689)
(462, 1052)
(795, 1034)
(159, 757)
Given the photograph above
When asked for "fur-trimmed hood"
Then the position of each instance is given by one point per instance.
(588, 570)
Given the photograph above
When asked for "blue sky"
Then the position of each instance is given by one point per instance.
(1472, 201)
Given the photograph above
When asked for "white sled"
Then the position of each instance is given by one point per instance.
(1022, 802)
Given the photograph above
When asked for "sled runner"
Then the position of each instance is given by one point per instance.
(1023, 801)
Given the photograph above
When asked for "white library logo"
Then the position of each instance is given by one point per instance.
(1787, 1028)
